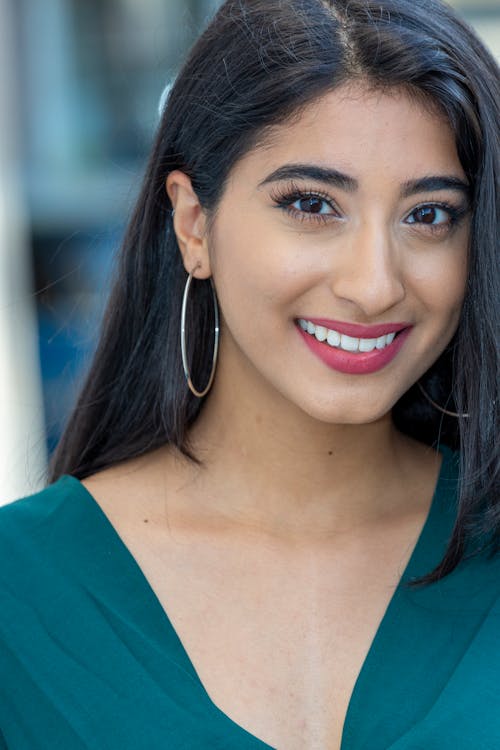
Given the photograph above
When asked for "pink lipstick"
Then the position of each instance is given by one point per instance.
(342, 335)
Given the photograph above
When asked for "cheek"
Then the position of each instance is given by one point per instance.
(256, 266)
(439, 279)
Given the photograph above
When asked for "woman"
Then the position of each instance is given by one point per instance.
(271, 542)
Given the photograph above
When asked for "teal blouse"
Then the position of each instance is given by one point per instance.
(89, 658)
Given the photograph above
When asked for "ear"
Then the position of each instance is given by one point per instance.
(189, 225)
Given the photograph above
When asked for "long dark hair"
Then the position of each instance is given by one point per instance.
(258, 63)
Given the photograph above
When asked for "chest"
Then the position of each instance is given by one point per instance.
(277, 639)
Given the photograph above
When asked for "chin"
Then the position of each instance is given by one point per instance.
(354, 414)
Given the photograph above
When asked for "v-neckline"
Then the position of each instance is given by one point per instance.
(165, 633)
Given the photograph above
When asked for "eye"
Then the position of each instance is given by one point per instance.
(312, 204)
(305, 204)
(431, 215)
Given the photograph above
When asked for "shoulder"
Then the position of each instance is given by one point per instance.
(46, 550)
(33, 511)
(33, 528)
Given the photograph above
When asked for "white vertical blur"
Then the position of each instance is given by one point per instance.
(22, 438)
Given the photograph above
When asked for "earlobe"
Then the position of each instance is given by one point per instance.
(189, 220)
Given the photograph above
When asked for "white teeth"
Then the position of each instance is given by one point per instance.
(321, 333)
(342, 341)
(333, 338)
(349, 344)
(367, 345)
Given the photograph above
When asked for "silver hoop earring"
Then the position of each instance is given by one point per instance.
(440, 408)
(185, 364)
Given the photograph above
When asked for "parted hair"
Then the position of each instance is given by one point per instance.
(258, 63)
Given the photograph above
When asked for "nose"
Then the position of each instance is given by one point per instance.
(368, 272)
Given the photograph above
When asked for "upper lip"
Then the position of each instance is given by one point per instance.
(356, 330)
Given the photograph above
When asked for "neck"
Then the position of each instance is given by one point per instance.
(268, 466)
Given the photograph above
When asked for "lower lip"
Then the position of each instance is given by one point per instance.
(354, 363)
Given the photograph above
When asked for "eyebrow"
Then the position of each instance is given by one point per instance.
(312, 172)
(433, 183)
(330, 176)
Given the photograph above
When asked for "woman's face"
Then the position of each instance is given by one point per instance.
(339, 255)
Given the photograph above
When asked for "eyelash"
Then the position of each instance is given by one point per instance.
(284, 198)
(455, 216)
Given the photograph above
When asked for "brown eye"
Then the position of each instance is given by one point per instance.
(426, 215)
(306, 205)
(430, 216)
(312, 204)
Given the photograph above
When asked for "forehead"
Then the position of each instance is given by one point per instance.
(357, 130)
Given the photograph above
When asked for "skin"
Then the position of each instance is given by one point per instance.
(307, 495)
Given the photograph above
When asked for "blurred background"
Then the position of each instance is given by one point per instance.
(80, 84)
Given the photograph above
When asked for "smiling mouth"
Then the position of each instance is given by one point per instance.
(350, 344)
